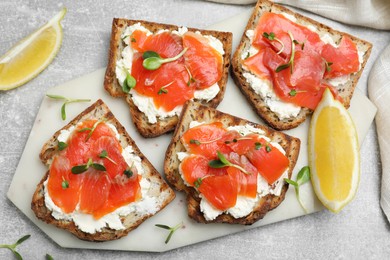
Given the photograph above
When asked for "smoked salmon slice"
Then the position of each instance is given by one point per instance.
(95, 191)
(302, 79)
(248, 156)
(173, 83)
(203, 61)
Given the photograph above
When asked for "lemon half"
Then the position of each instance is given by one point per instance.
(32, 54)
(334, 157)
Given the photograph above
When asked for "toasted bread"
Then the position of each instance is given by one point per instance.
(113, 87)
(257, 102)
(158, 187)
(196, 112)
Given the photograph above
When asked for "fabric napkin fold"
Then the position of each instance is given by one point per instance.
(374, 14)
(379, 93)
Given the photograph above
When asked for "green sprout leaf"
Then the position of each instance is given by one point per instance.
(155, 62)
(171, 230)
(293, 93)
(198, 182)
(257, 146)
(129, 173)
(98, 167)
(66, 101)
(290, 63)
(62, 145)
(12, 247)
(272, 37)
(49, 257)
(149, 54)
(78, 169)
(104, 155)
(327, 65)
(193, 141)
(224, 162)
(162, 91)
(90, 129)
(302, 178)
(129, 83)
(64, 183)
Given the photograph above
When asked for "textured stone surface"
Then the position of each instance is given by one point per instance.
(360, 231)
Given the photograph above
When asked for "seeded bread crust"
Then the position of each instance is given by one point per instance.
(196, 112)
(113, 87)
(256, 101)
(158, 189)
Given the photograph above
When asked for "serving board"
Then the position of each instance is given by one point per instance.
(147, 237)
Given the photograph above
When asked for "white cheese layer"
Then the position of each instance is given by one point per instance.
(145, 104)
(264, 88)
(244, 205)
(87, 223)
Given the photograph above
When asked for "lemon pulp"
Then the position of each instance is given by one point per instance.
(333, 154)
(31, 55)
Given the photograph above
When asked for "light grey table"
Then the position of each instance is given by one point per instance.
(360, 231)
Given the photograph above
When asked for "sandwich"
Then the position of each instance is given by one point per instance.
(285, 61)
(232, 170)
(99, 186)
(156, 68)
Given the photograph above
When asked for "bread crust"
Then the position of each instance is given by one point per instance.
(159, 188)
(256, 101)
(112, 86)
(197, 112)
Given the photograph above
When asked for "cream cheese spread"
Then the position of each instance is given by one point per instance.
(145, 104)
(87, 223)
(264, 88)
(244, 205)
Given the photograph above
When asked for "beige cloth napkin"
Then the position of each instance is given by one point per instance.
(369, 13)
(379, 93)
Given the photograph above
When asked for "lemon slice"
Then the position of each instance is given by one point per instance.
(31, 55)
(333, 154)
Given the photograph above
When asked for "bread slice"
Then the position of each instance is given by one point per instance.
(113, 87)
(158, 188)
(196, 112)
(257, 102)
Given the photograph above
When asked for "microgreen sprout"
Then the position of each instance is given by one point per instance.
(293, 93)
(13, 246)
(84, 167)
(129, 83)
(153, 62)
(258, 145)
(66, 101)
(49, 257)
(235, 140)
(163, 89)
(104, 154)
(224, 162)
(327, 65)
(271, 36)
(291, 61)
(64, 183)
(191, 79)
(171, 230)
(90, 129)
(268, 148)
(197, 142)
(302, 177)
(128, 172)
(62, 145)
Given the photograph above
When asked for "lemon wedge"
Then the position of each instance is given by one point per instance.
(32, 54)
(333, 154)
